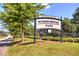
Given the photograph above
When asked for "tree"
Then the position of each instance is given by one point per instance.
(69, 26)
(76, 15)
(17, 16)
(76, 19)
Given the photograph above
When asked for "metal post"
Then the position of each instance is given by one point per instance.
(61, 31)
(34, 31)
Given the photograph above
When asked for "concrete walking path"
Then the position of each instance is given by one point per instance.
(3, 50)
(3, 45)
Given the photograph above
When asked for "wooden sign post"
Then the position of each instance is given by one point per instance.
(34, 30)
(61, 30)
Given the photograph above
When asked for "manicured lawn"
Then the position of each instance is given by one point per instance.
(1, 37)
(43, 48)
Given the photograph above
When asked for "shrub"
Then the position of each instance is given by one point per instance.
(51, 38)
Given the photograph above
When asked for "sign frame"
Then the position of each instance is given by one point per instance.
(46, 18)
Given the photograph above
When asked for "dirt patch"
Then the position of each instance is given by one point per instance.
(48, 42)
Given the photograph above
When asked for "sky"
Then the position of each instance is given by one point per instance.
(61, 9)
(57, 9)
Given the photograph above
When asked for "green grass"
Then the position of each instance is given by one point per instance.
(43, 48)
(1, 37)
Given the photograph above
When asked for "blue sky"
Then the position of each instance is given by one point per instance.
(61, 9)
(58, 9)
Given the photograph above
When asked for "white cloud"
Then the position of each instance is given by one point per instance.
(47, 5)
(44, 3)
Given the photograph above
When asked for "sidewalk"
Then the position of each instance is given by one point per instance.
(9, 36)
(3, 50)
(3, 44)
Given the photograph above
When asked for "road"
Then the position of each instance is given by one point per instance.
(3, 46)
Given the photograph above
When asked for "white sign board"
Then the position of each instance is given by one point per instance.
(48, 23)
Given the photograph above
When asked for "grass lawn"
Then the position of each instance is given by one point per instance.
(1, 37)
(43, 48)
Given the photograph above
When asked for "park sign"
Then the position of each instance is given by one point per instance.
(45, 22)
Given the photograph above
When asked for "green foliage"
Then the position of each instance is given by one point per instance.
(76, 19)
(68, 26)
(51, 38)
(19, 16)
(76, 15)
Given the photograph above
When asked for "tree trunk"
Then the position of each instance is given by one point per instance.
(22, 32)
(22, 36)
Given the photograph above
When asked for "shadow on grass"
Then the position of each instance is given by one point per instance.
(28, 43)
(24, 43)
(21, 43)
(15, 42)
(18, 42)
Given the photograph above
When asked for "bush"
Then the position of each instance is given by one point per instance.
(77, 40)
(51, 38)
(65, 39)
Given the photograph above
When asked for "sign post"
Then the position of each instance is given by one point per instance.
(61, 30)
(34, 31)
